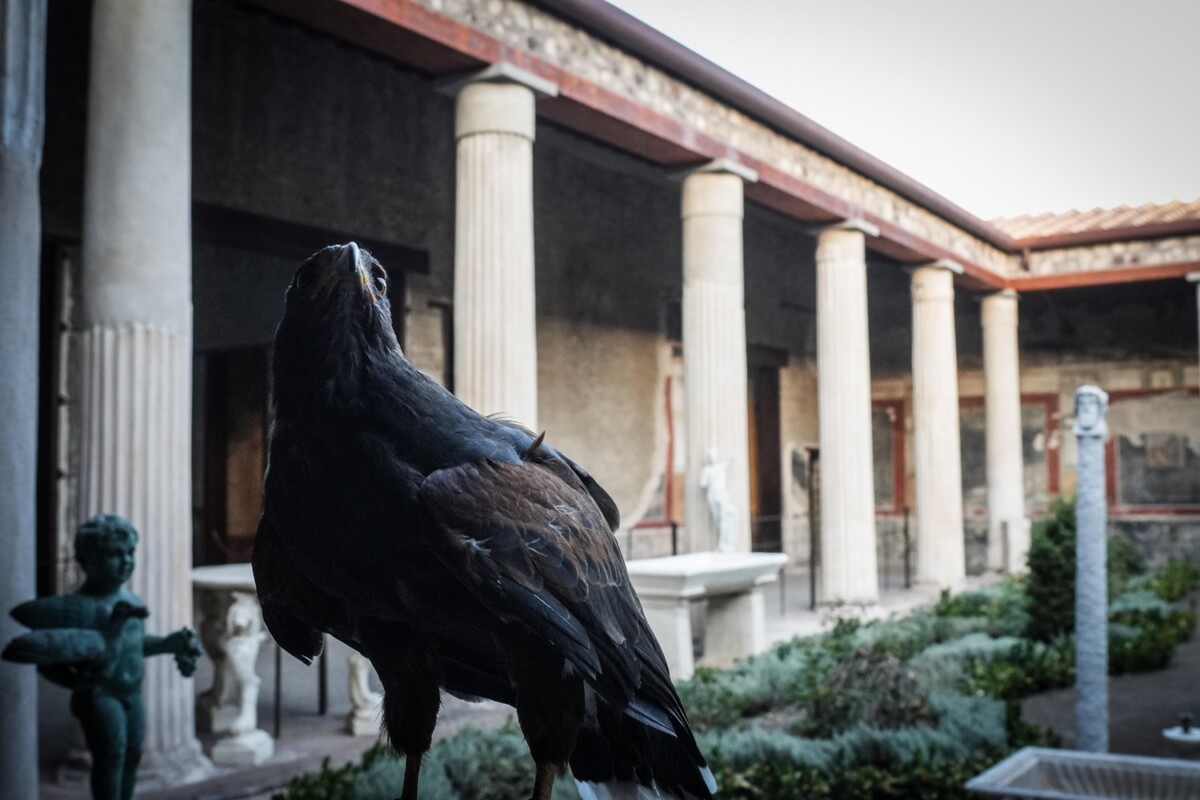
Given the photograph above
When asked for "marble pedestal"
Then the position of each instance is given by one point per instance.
(232, 631)
(732, 583)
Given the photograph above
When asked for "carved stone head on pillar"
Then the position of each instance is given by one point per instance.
(1091, 404)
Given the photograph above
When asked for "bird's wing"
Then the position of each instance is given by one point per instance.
(291, 604)
(527, 442)
(538, 549)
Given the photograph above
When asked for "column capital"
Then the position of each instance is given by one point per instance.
(852, 224)
(499, 100)
(1193, 277)
(719, 166)
(942, 263)
(999, 308)
(500, 72)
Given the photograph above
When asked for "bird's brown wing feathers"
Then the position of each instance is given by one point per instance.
(538, 549)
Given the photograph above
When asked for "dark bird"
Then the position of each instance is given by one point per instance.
(455, 551)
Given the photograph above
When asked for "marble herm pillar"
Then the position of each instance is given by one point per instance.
(1008, 527)
(22, 93)
(133, 431)
(495, 336)
(941, 551)
(714, 360)
(1091, 573)
(848, 560)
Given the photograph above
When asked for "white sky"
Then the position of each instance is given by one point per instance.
(1005, 108)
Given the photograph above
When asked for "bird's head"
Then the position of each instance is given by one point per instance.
(337, 320)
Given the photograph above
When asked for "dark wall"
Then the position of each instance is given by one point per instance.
(295, 126)
(1126, 321)
(781, 284)
(607, 234)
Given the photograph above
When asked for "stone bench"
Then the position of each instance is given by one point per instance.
(731, 583)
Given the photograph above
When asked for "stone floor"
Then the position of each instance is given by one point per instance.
(1141, 705)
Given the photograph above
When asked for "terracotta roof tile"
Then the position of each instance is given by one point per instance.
(1053, 224)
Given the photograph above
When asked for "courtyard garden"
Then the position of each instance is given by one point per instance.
(902, 708)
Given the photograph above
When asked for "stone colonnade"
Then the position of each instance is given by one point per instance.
(133, 433)
(496, 352)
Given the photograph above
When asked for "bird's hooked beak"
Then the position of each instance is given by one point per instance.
(354, 265)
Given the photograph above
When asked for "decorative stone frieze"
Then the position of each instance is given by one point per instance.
(1137, 253)
(538, 32)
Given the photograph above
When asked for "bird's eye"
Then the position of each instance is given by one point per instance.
(304, 277)
(380, 278)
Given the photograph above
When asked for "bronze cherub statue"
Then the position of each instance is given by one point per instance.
(93, 643)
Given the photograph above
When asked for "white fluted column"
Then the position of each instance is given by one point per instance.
(495, 336)
(22, 102)
(714, 359)
(1008, 527)
(941, 556)
(847, 570)
(133, 432)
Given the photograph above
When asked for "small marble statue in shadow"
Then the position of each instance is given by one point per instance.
(93, 642)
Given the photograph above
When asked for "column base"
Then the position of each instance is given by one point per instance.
(166, 769)
(244, 749)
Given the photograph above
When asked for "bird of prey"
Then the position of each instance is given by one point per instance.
(455, 551)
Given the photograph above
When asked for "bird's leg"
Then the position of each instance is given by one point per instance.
(410, 712)
(411, 699)
(543, 783)
(550, 710)
(412, 771)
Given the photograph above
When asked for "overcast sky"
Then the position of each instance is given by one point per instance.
(1010, 107)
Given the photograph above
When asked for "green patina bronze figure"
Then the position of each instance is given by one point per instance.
(93, 642)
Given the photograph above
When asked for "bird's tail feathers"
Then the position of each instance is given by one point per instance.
(632, 790)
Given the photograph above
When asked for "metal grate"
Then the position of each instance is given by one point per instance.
(1071, 775)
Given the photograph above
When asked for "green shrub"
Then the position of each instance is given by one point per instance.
(1004, 607)
(327, 783)
(871, 687)
(1027, 668)
(945, 665)
(1125, 562)
(1138, 649)
(1176, 579)
(786, 675)
(1051, 582)
(473, 764)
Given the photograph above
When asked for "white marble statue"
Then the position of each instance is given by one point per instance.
(363, 719)
(714, 481)
(232, 633)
